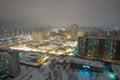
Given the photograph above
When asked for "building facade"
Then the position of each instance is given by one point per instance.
(9, 60)
(99, 47)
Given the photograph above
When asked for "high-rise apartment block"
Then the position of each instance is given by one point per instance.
(9, 60)
(73, 30)
(99, 47)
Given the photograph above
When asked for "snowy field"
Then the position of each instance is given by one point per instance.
(52, 70)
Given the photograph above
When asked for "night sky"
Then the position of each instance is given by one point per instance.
(61, 12)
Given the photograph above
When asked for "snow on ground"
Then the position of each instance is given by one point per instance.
(52, 70)
(116, 69)
(23, 47)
